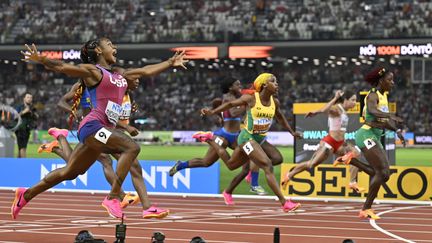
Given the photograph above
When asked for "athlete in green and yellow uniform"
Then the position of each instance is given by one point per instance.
(377, 118)
(367, 135)
(261, 108)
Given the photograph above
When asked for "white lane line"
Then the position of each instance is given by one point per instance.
(373, 223)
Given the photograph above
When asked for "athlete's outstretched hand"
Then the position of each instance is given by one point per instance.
(206, 112)
(298, 135)
(31, 54)
(178, 59)
(311, 114)
(338, 93)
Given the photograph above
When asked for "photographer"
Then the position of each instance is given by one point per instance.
(29, 117)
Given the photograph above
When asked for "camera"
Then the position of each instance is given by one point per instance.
(158, 237)
(85, 236)
(120, 232)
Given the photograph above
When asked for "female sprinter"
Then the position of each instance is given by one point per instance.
(226, 136)
(261, 108)
(368, 137)
(80, 96)
(86, 101)
(334, 141)
(96, 131)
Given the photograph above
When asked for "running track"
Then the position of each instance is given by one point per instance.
(58, 217)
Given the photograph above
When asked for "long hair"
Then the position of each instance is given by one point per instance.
(75, 103)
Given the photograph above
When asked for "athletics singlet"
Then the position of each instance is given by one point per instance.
(382, 106)
(108, 96)
(259, 118)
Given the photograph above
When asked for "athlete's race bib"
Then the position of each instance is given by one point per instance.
(383, 109)
(262, 125)
(113, 111)
(126, 112)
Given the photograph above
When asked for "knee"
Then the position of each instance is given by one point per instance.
(69, 175)
(310, 165)
(207, 162)
(277, 161)
(134, 148)
(231, 166)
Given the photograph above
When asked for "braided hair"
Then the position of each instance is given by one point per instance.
(75, 103)
(88, 53)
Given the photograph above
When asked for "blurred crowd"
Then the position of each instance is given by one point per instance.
(76, 21)
(172, 100)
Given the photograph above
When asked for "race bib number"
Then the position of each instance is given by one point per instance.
(102, 135)
(248, 148)
(113, 111)
(369, 143)
(219, 141)
(126, 111)
(262, 125)
(384, 109)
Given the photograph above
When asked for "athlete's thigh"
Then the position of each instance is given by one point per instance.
(81, 158)
(211, 155)
(376, 157)
(255, 153)
(221, 141)
(272, 152)
(322, 153)
(238, 158)
(110, 141)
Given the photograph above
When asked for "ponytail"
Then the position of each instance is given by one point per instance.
(75, 104)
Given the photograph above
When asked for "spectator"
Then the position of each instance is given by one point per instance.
(28, 115)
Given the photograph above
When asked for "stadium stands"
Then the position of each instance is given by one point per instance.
(172, 100)
(128, 21)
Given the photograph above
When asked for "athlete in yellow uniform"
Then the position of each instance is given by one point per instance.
(262, 107)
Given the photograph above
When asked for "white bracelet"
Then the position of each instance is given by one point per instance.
(399, 130)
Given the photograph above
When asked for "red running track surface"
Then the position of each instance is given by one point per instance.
(58, 217)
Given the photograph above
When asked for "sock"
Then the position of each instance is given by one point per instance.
(183, 165)
(254, 181)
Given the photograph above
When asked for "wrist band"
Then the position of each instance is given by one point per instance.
(399, 130)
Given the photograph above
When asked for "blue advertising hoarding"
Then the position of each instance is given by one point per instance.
(27, 172)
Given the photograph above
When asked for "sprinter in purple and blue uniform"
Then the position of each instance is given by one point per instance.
(97, 133)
